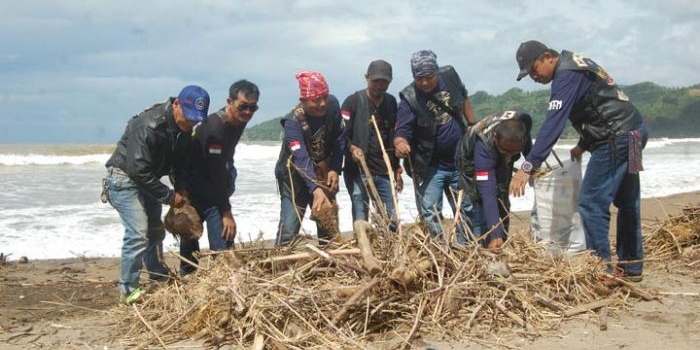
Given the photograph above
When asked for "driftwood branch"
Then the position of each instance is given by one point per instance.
(362, 229)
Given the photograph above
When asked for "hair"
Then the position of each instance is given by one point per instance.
(512, 130)
(244, 86)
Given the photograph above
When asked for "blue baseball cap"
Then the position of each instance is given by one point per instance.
(194, 101)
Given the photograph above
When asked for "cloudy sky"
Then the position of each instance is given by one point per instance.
(74, 71)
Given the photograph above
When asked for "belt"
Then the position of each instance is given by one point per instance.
(114, 170)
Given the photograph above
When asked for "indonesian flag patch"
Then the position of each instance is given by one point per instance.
(295, 145)
(482, 175)
(346, 114)
(215, 148)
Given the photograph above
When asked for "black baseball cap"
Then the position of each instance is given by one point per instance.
(379, 69)
(527, 54)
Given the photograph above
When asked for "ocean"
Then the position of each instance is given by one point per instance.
(50, 195)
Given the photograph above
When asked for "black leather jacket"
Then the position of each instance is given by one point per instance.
(605, 112)
(151, 147)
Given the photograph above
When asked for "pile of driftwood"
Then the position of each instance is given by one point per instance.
(676, 238)
(377, 289)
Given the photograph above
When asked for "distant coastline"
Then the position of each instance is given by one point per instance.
(668, 112)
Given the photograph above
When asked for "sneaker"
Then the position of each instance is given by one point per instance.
(134, 296)
(619, 272)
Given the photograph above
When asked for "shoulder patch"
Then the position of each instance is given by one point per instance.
(215, 148)
(294, 145)
(346, 114)
(482, 176)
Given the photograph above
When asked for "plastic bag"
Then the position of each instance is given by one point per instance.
(555, 218)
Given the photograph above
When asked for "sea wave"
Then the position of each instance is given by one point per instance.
(43, 159)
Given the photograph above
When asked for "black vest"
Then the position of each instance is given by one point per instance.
(484, 130)
(319, 150)
(605, 111)
(424, 130)
(362, 127)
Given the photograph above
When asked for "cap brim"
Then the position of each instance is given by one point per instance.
(378, 77)
(194, 116)
(523, 73)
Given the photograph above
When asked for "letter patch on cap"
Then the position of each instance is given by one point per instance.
(215, 148)
(482, 176)
(346, 114)
(294, 145)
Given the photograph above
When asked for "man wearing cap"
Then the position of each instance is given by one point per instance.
(311, 157)
(433, 114)
(485, 158)
(210, 168)
(358, 111)
(610, 128)
(155, 143)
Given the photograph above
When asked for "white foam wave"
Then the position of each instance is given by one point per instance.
(43, 159)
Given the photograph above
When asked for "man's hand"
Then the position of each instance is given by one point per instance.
(495, 243)
(332, 181)
(356, 153)
(517, 184)
(320, 199)
(576, 153)
(230, 230)
(399, 182)
(178, 200)
(403, 149)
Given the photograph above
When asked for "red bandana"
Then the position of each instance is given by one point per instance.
(312, 85)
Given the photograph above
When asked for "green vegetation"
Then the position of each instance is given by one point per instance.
(669, 112)
(270, 130)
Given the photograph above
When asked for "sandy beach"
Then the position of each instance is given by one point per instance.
(69, 303)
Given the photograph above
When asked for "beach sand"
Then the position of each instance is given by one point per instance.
(69, 304)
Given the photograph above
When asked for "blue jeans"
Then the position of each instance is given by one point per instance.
(429, 197)
(291, 215)
(143, 231)
(607, 181)
(217, 242)
(355, 184)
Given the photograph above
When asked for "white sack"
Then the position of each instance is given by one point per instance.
(555, 218)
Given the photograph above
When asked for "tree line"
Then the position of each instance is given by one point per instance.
(669, 112)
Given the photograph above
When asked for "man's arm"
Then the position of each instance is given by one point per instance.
(485, 168)
(468, 111)
(403, 133)
(294, 140)
(569, 88)
(213, 140)
(139, 156)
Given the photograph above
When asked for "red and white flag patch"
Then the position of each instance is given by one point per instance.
(215, 148)
(482, 175)
(346, 114)
(294, 145)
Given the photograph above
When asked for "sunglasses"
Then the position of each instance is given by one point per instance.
(252, 107)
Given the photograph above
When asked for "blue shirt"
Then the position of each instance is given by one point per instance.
(568, 87)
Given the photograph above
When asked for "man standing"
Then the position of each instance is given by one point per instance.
(611, 128)
(485, 159)
(311, 157)
(210, 169)
(155, 143)
(357, 111)
(433, 114)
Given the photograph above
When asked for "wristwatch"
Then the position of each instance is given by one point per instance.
(526, 167)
